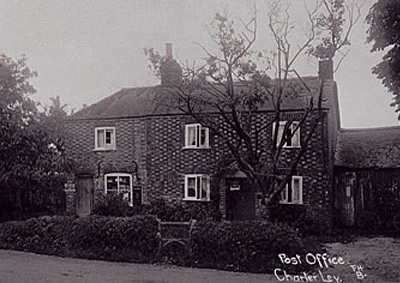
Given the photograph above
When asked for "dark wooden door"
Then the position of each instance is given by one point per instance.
(84, 187)
(239, 199)
(345, 197)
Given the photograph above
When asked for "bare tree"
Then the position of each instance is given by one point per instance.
(227, 93)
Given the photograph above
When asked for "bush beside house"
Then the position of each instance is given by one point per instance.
(239, 246)
(132, 239)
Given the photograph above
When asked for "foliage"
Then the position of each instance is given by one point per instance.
(97, 237)
(27, 151)
(384, 32)
(334, 26)
(31, 153)
(240, 246)
(112, 205)
(21, 200)
(307, 220)
(182, 212)
(247, 246)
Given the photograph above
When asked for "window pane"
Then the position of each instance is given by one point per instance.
(191, 136)
(203, 136)
(191, 187)
(204, 188)
(296, 136)
(284, 194)
(280, 132)
(100, 138)
(112, 185)
(124, 184)
(109, 136)
(288, 134)
(296, 190)
(289, 192)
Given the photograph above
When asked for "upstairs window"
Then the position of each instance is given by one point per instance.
(105, 138)
(294, 140)
(293, 192)
(197, 187)
(119, 184)
(196, 136)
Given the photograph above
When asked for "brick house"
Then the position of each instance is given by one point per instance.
(129, 143)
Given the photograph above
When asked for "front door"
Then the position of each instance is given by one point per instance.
(346, 190)
(84, 187)
(239, 199)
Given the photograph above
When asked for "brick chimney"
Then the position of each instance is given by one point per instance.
(326, 69)
(170, 70)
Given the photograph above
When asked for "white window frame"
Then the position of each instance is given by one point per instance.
(198, 128)
(118, 192)
(199, 182)
(295, 137)
(112, 145)
(284, 193)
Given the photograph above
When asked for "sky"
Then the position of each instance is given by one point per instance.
(85, 50)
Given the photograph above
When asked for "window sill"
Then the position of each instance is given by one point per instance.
(195, 148)
(291, 147)
(292, 203)
(196, 200)
(104, 149)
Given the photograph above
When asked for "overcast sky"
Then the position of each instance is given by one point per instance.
(85, 50)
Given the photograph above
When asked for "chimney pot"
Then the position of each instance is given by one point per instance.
(170, 70)
(326, 69)
(168, 50)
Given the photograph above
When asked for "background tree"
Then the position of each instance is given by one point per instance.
(384, 33)
(225, 93)
(52, 120)
(31, 153)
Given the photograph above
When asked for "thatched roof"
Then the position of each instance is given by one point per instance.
(368, 148)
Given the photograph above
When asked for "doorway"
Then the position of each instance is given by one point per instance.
(239, 199)
(84, 187)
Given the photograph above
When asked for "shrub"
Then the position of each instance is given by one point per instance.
(308, 220)
(95, 237)
(112, 205)
(239, 246)
(45, 235)
(182, 212)
(117, 239)
(246, 246)
(316, 221)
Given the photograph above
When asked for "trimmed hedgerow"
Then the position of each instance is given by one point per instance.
(132, 239)
(239, 246)
(247, 246)
(118, 239)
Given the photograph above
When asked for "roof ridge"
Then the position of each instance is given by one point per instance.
(369, 129)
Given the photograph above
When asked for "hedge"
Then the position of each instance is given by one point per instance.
(238, 246)
(248, 246)
(132, 239)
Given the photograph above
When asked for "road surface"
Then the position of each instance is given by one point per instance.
(20, 267)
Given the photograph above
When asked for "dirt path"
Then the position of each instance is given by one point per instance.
(19, 267)
(378, 257)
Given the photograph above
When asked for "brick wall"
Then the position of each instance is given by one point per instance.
(156, 144)
(80, 146)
